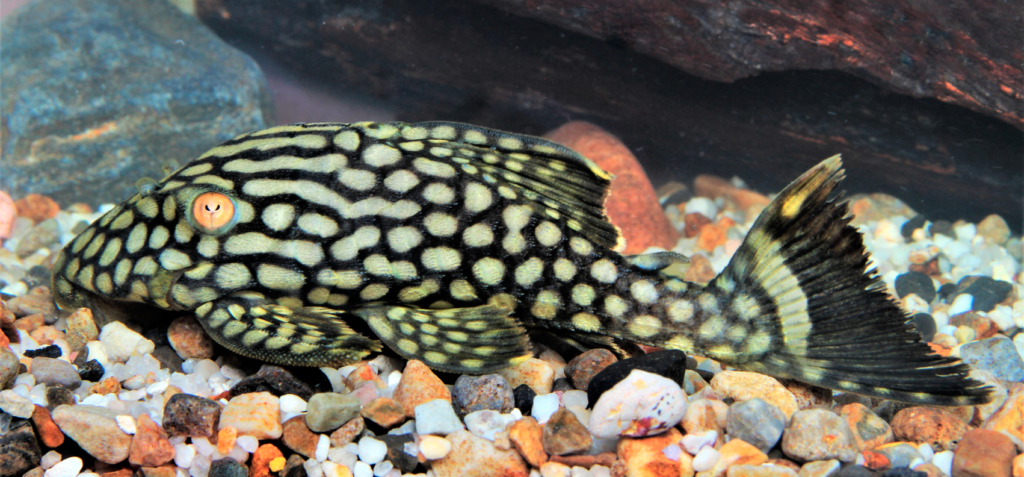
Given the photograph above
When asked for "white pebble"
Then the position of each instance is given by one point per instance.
(693, 443)
(965, 232)
(330, 469)
(291, 404)
(434, 447)
(705, 459)
(673, 452)
(69, 467)
(575, 398)
(371, 450)
(600, 471)
(578, 471)
(337, 382)
(322, 446)
(121, 342)
(313, 468)
(183, 454)
(944, 461)
(383, 468)
(200, 466)
(486, 423)
(926, 451)
(1002, 317)
(203, 446)
(544, 405)
(247, 443)
(362, 469)
(126, 423)
(961, 304)
(703, 206)
(49, 459)
(206, 368)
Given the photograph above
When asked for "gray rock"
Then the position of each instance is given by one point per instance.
(756, 422)
(437, 417)
(326, 412)
(227, 467)
(479, 393)
(900, 455)
(55, 372)
(996, 355)
(15, 404)
(804, 438)
(98, 93)
(8, 367)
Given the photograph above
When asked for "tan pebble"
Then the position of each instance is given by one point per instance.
(527, 437)
(869, 430)
(645, 456)
(418, 385)
(383, 411)
(81, 329)
(984, 453)
(743, 385)
(935, 426)
(434, 447)
(150, 445)
(348, 432)
(994, 229)
(253, 414)
(535, 373)
(821, 468)
(473, 456)
(189, 339)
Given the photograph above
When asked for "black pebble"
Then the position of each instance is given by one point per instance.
(524, 395)
(925, 325)
(942, 227)
(92, 370)
(57, 395)
(911, 225)
(227, 467)
(855, 471)
(987, 292)
(904, 472)
(562, 384)
(52, 351)
(274, 380)
(916, 283)
(946, 292)
(402, 460)
(670, 364)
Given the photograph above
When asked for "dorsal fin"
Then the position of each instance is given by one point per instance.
(551, 178)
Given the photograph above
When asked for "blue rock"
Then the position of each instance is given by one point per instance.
(98, 93)
(996, 355)
(757, 422)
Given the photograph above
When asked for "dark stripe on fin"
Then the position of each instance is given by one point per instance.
(838, 327)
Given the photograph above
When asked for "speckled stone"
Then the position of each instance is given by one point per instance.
(478, 393)
(742, 385)
(533, 372)
(81, 329)
(8, 367)
(756, 422)
(928, 424)
(563, 434)
(95, 430)
(55, 372)
(150, 446)
(348, 432)
(227, 467)
(189, 415)
(326, 412)
(645, 457)
(297, 437)
(473, 456)
(996, 355)
(524, 396)
(19, 451)
(253, 414)
(804, 438)
(581, 369)
(188, 338)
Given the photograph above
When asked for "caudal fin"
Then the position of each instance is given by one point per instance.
(837, 327)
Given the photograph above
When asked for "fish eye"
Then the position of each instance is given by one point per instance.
(213, 213)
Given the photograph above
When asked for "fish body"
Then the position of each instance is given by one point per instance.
(453, 243)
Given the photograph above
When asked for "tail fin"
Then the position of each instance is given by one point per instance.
(837, 327)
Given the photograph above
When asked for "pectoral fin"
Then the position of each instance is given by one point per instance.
(474, 340)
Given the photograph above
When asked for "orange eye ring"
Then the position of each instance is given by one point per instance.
(213, 213)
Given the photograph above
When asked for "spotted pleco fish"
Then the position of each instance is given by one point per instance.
(453, 243)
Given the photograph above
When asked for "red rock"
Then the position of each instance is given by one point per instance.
(37, 207)
(581, 369)
(265, 453)
(188, 338)
(700, 270)
(418, 385)
(632, 205)
(298, 437)
(8, 211)
(693, 223)
(527, 437)
(348, 432)
(875, 460)
(710, 236)
(982, 326)
(118, 473)
(48, 432)
(984, 453)
(383, 411)
(935, 426)
(150, 446)
(1010, 417)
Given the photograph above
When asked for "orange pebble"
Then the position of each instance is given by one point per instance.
(226, 439)
(693, 223)
(262, 458)
(710, 236)
(875, 460)
(726, 222)
(37, 207)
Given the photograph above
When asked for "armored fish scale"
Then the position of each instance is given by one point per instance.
(453, 242)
